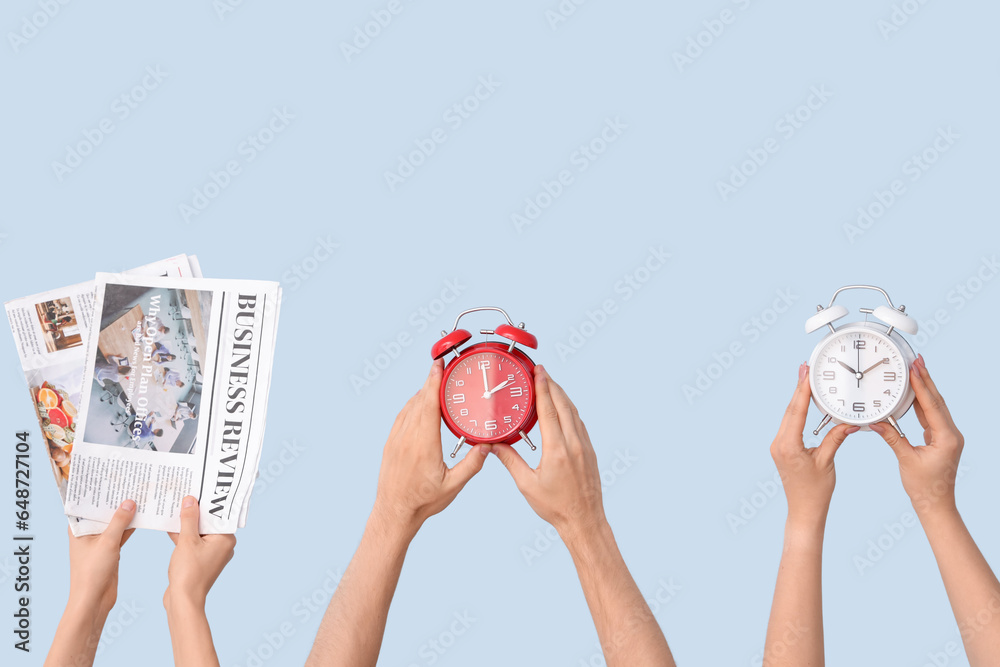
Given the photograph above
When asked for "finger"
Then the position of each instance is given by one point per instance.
(930, 399)
(430, 400)
(467, 468)
(119, 522)
(189, 518)
(794, 420)
(833, 440)
(548, 416)
(901, 447)
(401, 417)
(127, 534)
(515, 465)
(174, 537)
(568, 414)
(921, 417)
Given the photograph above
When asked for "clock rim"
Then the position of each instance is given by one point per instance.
(517, 356)
(905, 350)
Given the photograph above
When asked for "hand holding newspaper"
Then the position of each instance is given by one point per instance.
(162, 394)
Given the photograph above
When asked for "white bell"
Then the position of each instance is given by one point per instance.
(896, 319)
(824, 317)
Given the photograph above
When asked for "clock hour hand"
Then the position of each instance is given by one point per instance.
(853, 372)
(490, 392)
(874, 366)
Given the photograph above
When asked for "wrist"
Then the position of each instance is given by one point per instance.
(397, 527)
(586, 536)
(179, 601)
(90, 602)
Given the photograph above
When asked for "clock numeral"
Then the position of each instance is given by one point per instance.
(458, 398)
(464, 412)
(877, 403)
(484, 364)
(860, 344)
(459, 383)
(516, 407)
(516, 391)
(832, 360)
(841, 401)
(843, 348)
(887, 392)
(474, 422)
(889, 376)
(885, 360)
(507, 420)
(859, 406)
(468, 370)
(829, 375)
(490, 425)
(832, 390)
(510, 376)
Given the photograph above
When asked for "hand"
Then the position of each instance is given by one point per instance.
(93, 562)
(565, 488)
(872, 367)
(853, 372)
(486, 382)
(928, 472)
(414, 483)
(197, 560)
(807, 475)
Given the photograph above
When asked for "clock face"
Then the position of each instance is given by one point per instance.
(488, 395)
(859, 376)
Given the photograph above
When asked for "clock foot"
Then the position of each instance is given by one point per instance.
(826, 420)
(892, 422)
(524, 436)
(461, 441)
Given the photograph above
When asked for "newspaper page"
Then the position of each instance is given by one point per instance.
(165, 414)
(50, 330)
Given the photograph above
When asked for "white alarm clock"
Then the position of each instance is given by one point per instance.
(860, 372)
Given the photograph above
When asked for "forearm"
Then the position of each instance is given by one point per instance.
(77, 636)
(795, 628)
(190, 634)
(627, 629)
(352, 628)
(972, 587)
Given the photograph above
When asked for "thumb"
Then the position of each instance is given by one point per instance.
(467, 468)
(189, 517)
(119, 522)
(901, 447)
(834, 439)
(516, 466)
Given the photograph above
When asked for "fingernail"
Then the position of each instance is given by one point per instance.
(485, 450)
(923, 364)
(877, 427)
(853, 429)
(128, 505)
(915, 368)
(803, 369)
(188, 501)
(541, 369)
(436, 368)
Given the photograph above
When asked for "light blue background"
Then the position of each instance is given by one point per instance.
(323, 177)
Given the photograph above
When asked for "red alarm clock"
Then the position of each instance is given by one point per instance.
(488, 389)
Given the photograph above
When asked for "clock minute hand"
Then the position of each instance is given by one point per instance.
(486, 382)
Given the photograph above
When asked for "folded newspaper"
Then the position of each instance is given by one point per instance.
(159, 392)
